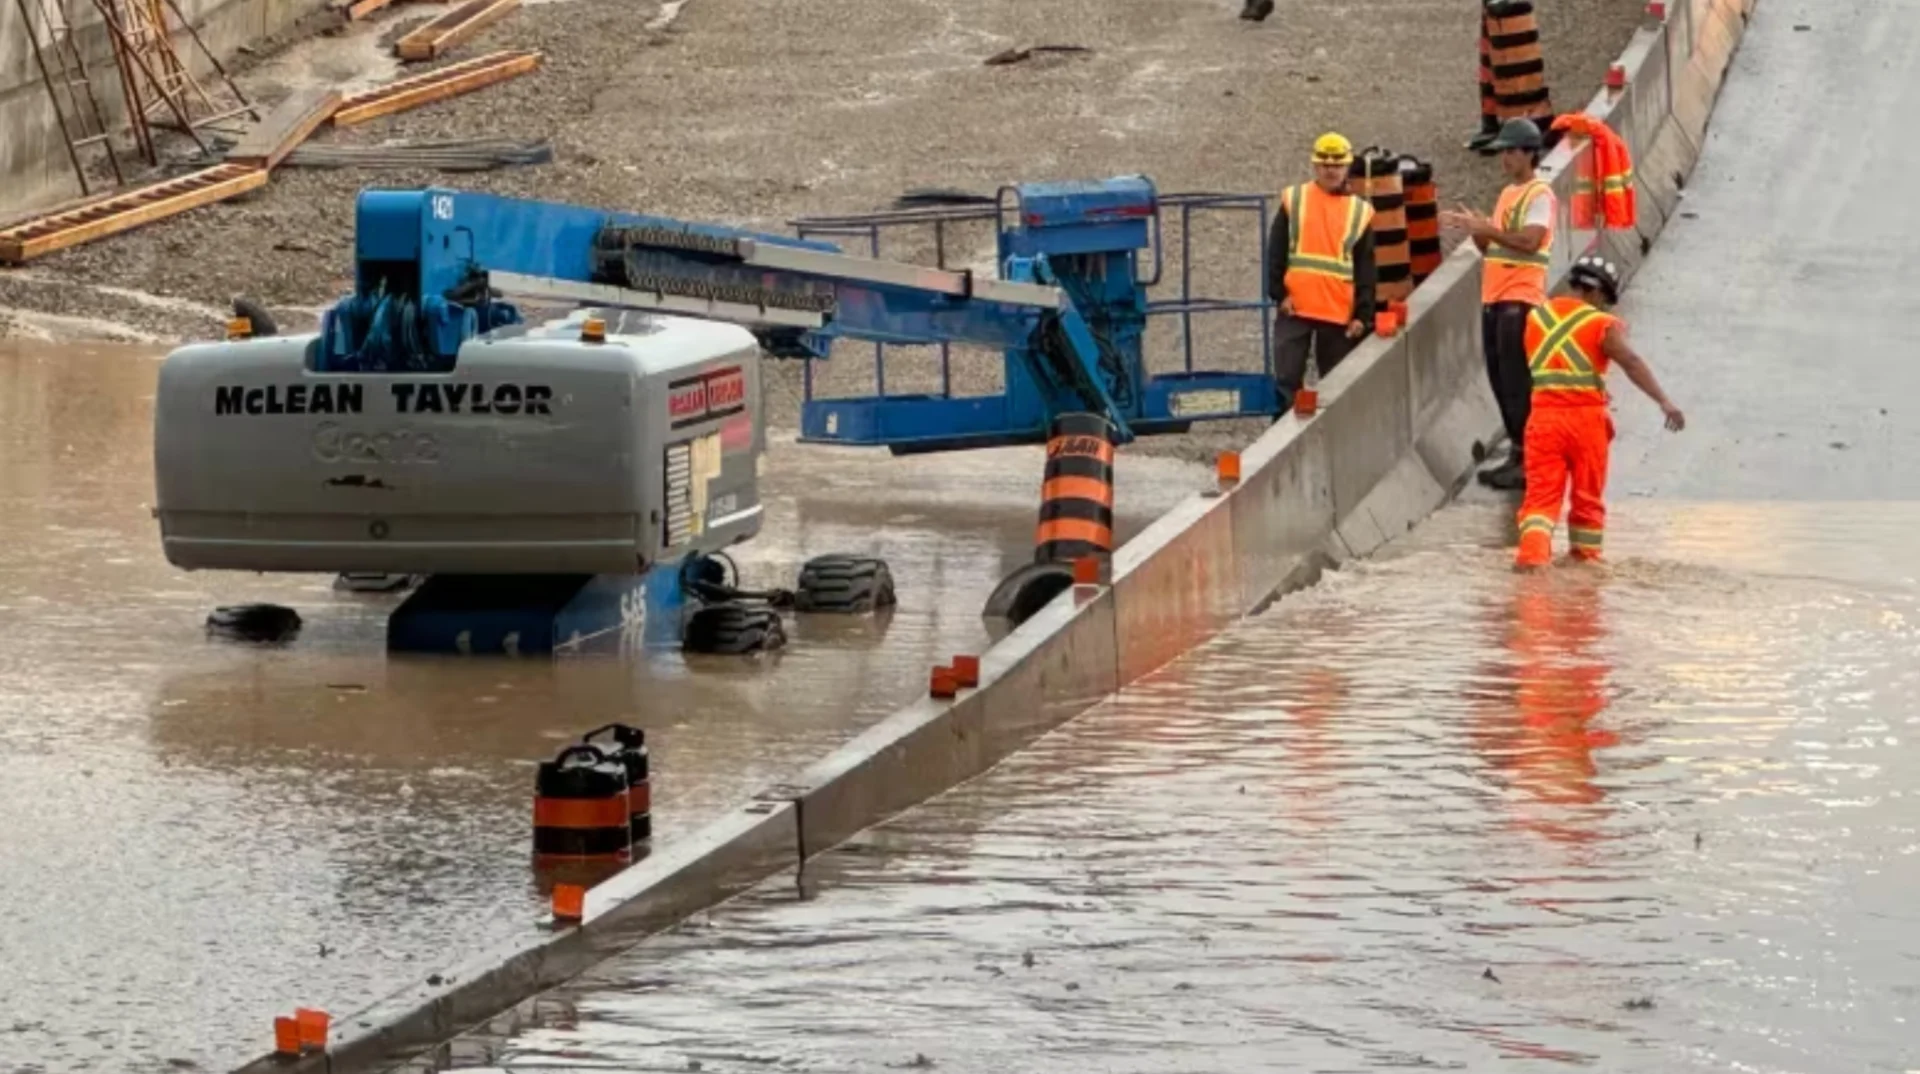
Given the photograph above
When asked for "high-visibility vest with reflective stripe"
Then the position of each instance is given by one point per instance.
(1564, 355)
(1322, 230)
(1509, 275)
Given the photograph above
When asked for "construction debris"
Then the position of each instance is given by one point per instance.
(473, 155)
(127, 210)
(436, 85)
(277, 142)
(1020, 55)
(355, 10)
(155, 77)
(82, 121)
(297, 117)
(440, 35)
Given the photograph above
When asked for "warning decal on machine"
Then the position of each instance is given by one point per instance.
(715, 394)
(690, 466)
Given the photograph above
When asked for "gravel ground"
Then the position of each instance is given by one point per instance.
(753, 112)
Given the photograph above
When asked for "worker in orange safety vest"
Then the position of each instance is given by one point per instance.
(1571, 341)
(1516, 243)
(1320, 268)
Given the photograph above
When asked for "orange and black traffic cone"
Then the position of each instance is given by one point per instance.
(1489, 108)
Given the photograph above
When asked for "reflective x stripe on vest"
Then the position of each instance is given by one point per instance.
(1558, 363)
(1516, 220)
(1340, 265)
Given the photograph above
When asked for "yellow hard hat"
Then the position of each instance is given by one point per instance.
(1331, 148)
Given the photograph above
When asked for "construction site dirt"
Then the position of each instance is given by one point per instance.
(758, 111)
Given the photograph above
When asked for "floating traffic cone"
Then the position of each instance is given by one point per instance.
(629, 751)
(581, 810)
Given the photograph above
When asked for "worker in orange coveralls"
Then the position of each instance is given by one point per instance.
(1571, 340)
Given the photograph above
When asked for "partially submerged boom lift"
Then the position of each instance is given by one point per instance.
(567, 479)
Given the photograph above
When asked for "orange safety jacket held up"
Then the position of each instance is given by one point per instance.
(1324, 232)
(1509, 275)
(1612, 162)
(1564, 353)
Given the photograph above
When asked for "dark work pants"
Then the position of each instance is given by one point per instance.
(1503, 335)
(1291, 338)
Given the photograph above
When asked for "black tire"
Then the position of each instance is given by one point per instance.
(844, 585)
(270, 623)
(1027, 590)
(731, 629)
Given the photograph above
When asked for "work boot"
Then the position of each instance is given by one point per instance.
(1535, 551)
(1509, 475)
(1257, 10)
(1489, 130)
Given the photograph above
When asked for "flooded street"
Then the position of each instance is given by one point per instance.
(1657, 817)
(1660, 816)
(202, 834)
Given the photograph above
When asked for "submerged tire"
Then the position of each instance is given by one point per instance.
(1027, 590)
(731, 629)
(844, 585)
(254, 622)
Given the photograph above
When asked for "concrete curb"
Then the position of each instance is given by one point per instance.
(1393, 441)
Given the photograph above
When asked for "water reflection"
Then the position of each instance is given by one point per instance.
(1538, 730)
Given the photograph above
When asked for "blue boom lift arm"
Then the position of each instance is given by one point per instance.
(434, 267)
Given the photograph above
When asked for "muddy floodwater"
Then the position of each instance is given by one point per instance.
(201, 834)
(1658, 817)
(1662, 816)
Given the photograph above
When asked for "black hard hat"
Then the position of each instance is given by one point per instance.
(1517, 134)
(1598, 273)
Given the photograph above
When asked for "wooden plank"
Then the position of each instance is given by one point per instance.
(363, 8)
(11, 221)
(130, 210)
(452, 28)
(423, 89)
(293, 122)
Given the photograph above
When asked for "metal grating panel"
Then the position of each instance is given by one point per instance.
(680, 510)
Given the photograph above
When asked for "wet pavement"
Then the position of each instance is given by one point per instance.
(202, 834)
(1655, 816)
(1780, 296)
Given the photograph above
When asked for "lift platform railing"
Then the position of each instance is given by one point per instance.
(869, 232)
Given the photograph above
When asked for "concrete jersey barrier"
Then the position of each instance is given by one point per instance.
(1393, 441)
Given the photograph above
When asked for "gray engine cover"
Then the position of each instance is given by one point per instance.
(539, 453)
